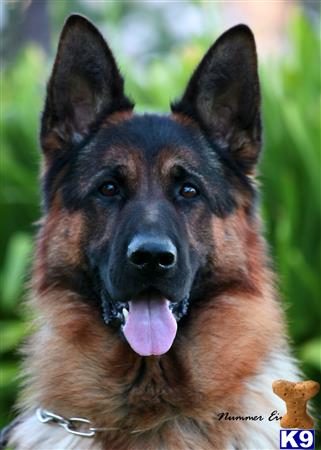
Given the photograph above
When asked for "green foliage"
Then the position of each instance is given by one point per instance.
(291, 180)
(290, 174)
(21, 104)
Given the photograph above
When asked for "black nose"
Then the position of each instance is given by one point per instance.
(150, 253)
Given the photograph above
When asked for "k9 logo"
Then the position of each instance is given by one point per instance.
(298, 439)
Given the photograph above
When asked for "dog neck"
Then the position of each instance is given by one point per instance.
(179, 431)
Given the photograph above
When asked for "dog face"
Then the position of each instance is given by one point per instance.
(144, 212)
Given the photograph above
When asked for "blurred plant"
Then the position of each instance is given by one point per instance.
(21, 103)
(291, 183)
(290, 174)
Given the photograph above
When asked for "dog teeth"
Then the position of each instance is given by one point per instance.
(125, 313)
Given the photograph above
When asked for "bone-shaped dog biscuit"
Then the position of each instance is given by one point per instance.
(296, 396)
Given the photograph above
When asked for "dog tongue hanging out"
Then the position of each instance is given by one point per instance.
(152, 291)
(150, 328)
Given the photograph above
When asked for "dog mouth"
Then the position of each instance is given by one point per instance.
(148, 321)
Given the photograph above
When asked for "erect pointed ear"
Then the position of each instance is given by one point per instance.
(84, 86)
(223, 95)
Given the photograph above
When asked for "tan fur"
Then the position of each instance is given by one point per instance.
(241, 435)
(62, 251)
(117, 117)
(78, 366)
(185, 120)
(240, 248)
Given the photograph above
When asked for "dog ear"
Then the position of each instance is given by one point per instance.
(223, 95)
(85, 85)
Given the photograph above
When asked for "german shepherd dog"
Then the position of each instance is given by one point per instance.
(157, 318)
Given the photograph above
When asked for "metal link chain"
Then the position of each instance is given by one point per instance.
(74, 425)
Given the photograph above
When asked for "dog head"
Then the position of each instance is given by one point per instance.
(137, 205)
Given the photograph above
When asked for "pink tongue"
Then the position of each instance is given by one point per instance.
(150, 328)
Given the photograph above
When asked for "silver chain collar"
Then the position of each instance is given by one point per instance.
(73, 425)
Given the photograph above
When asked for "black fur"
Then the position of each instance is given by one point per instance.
(85, 84)
(149, 157)
(223, 96)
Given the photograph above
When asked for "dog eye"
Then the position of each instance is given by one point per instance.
(188, 190)
(109, 189)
